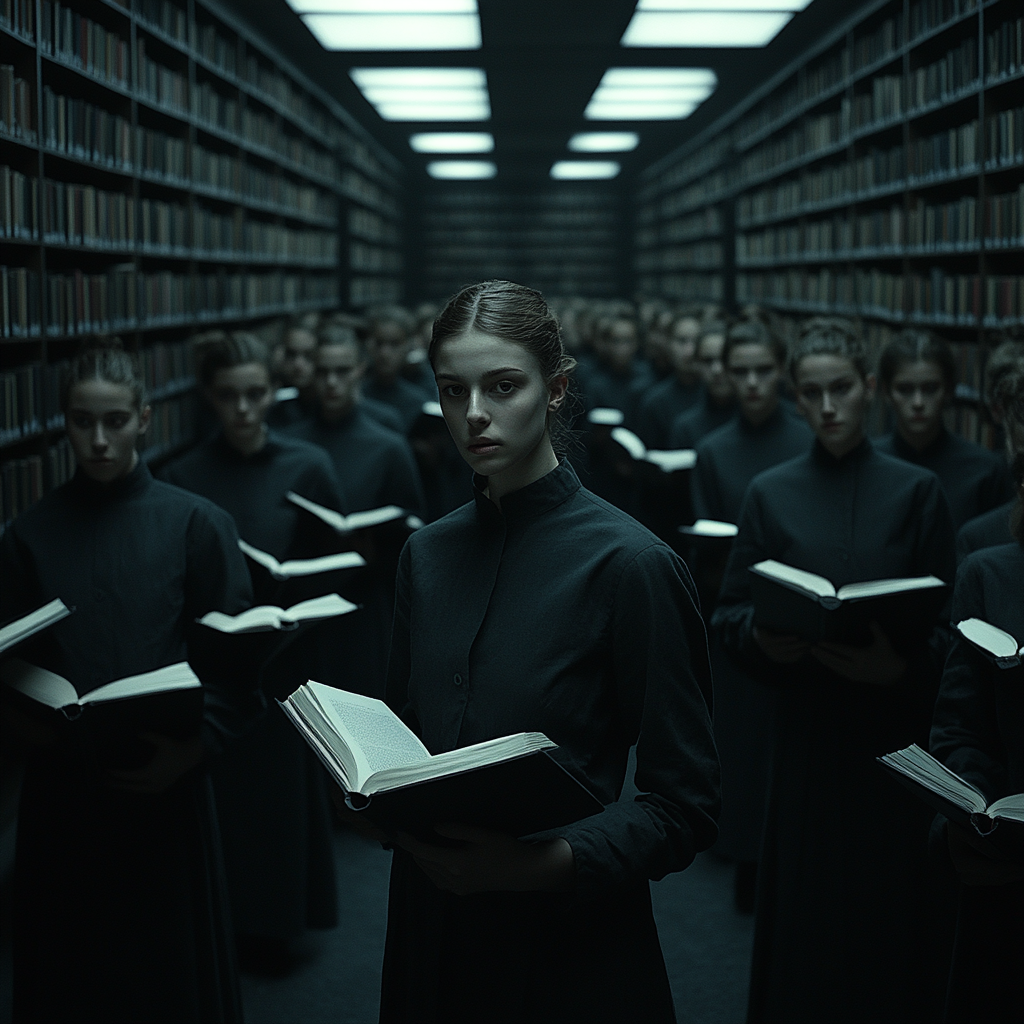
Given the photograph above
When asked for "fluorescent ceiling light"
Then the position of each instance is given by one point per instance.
(704, 28)
(650, 94)
(395, 31)
(452, 142)
(720, 5)
(383, 6)
(584, 170)
(604, 142)
(462, 170)
(425, 94)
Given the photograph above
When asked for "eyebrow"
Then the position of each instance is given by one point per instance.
(489, 373)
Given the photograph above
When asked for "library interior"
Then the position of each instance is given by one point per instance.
(664, 356)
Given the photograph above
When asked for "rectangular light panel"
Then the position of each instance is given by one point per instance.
(383, 6)
(399, 31)
(452, 142)
(425, 94)
(462, 170)
(715, 28)
(722, 5)
(650, 94)
(604, 142)
(584, 170)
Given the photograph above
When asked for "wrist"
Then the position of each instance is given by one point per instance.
(554, 869)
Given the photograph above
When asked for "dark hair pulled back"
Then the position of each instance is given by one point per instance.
(103, 359)
(912, 345)
(830, 336)
(223, 350)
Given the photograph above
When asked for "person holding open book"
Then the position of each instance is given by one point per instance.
(120, 910)
(540, 607)
(271, 797)
(841, 929)
(978, 732)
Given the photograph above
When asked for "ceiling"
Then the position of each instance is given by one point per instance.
(543, 60)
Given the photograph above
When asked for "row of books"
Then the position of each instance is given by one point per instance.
(24, 481)
(710, 188)
(1004, 49)
(15, 105)
(696, 225)
(361, 189)
(20, 305)
(1004, 137)
(698, 256)
(927, 15)
(363, 223)
(22, 411)
(158, 83)
(19, 204)
(684, 287)
(172, 424)
(86, 131)
(370, 259)
(19, 16)
(374, 291)
(944, 78)
(167, 17)
(938, 295)
(82, 43)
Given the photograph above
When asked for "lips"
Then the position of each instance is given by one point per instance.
(483, 446)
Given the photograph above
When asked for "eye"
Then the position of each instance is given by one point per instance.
(504, 387)
(453, 390)
(115, 421)
(810, 394)
(842, 388)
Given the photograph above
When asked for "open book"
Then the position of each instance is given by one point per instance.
(601, 417)
(712, 529)
(21, 629)
(995, 643)
(357, 520)
(265, 617)
(302, 566)
(666, 461)
(793, 601)
(286, 394)
(509, 783)
(956, 798)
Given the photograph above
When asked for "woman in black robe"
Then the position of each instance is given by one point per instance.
(717, 402)
(765, 432)
(842, 917)
(270, 789)
(538, 606)
(120, 910)
(917, 374)
(978, 732)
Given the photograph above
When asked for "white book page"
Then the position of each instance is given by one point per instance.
(606, 417)
(171, 677)
(675, 459)
(267, 617)
(993, 639)
(628, 440)
(920, 765)
(1008, 807)
(809, 581)
(710, 528)
(38, 683)
(375, 734)
(267, 561)
(323, 607)
(875, 588)
(16, 631)
(373, 517)
(302, 566)
(330, 758)
(328, 515)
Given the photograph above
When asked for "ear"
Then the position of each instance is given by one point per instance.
(558, 388)
(144, 417)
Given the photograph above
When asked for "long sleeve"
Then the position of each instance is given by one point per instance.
(663, 687)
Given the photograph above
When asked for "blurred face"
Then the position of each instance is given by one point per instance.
(834, 397)
(754, 373)
(103, 427)
(712, 369)
(918, 395)
(620, 345)
(338, 372)
(682, 347)
(387, 348)
(297, 365)
(496, 404)
(241, 396)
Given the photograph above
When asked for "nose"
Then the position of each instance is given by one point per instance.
(99, 437)
(827, 408)
(476, 409)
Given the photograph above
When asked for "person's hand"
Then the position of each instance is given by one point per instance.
(974, 861)
(877, 663)
(171, 759)
(781, 648)
(359, 823)
(487, 861)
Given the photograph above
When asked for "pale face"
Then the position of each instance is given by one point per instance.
(918, 395)
(682, 346)
(712, 369)
(834, 397)
(338, 372)
(754, 372)
(387, 348)
(496, 403)
(103, 427)
(297, 365)
(241, 396)
(620, 345)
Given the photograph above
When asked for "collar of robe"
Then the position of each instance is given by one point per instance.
(854, 456)
(528, 502)
(228, 451)
(911, 454)
(87, 489)
(774, 421)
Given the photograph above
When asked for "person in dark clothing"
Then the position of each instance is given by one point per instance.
(387, 349)
(765, 433)
(917, 373)
(120, 909)
(297, 372)
(842, 928)
(618, 379)
(446, 477)
(679, 392)
(717, 402)
(984, 531)
(270, 787)
(539, 606)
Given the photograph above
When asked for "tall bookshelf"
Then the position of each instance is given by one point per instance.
(881, 175)
(163, 170)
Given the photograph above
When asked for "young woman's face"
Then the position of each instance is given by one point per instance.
(918, 395)
(103, 427)
(297, 364)
(338, 372)
(496, 403)
(834, 397)
(241, 396)
(712, 369)
(755, 372)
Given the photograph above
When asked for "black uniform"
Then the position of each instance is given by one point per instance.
(270, 788)
(985, 531)
(727, 460)
(692, 426)
(978, 731)
(402, 395)
(557, 613)
(975, 480)
(841, 928)
(120, 908)
(661, 407)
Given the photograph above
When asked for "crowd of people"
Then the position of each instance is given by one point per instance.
(493, 423)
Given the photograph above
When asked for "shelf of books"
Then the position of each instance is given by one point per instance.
(163, 170)
(881, 175)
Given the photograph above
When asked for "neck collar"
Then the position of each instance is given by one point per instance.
(856, 455)
(91, 490)
(532, 500)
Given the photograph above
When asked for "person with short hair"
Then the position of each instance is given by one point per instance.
(717, 402)
(387, 350)
(296, 369)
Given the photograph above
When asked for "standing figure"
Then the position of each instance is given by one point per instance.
(842, 917)
(538, 606)
(270, 787)
(120, 911)
(717, 402)
(387, 348)
(297, 372)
